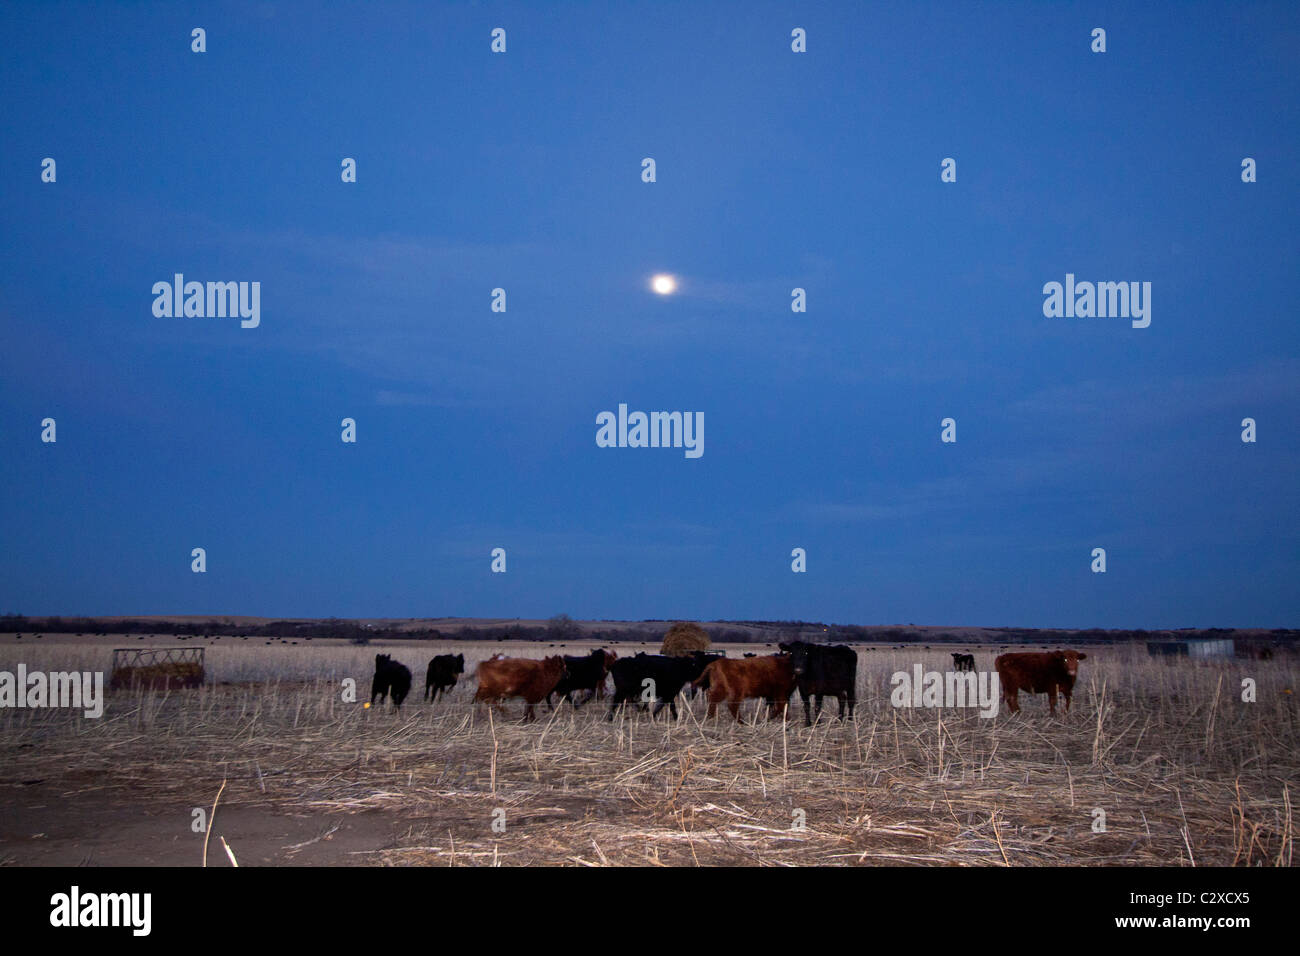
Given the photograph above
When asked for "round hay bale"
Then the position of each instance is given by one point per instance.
(682, 638)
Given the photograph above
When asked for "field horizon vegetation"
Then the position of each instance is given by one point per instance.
(1160, 761)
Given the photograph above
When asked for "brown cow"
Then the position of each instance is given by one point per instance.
(502, 677)
(771, 678)
(1038, 673)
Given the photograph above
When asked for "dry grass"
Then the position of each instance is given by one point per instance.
(1185, 772)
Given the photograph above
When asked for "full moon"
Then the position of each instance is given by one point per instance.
(664, 284)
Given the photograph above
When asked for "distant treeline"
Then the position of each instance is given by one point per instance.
(563, 629)
(848, 633)
(556, 630)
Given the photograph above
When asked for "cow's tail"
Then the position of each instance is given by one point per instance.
(704, 680)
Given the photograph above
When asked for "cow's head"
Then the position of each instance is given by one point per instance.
(381, 660)
(460, 664)
(798, 657)
(1070, 660)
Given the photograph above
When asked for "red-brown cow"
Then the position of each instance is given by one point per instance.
(771, 678)
(1038, 673)
(502, 677)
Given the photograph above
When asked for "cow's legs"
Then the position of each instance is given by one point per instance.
(619, 697)
(1051, 699)
(1013, 701)
(807, 705)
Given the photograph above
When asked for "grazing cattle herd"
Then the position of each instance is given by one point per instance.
(815, 670)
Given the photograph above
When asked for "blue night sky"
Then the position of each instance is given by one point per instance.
(775, 170)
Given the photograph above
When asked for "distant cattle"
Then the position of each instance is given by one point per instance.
(771, 678)
(390, 676)
(1037, 673)
(502, 677)
(666, 676)
(963, 662)
(820, 670)
(582, 673)
(441, 677)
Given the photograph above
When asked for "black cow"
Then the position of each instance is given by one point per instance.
(442, 675)
(390, 676)
(820, 670)
(669, 676)
(705, 659)
(581, 673)
(963, 662)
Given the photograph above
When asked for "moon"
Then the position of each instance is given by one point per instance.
(664, 284)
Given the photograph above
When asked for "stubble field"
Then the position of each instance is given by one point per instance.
(1184, 771)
